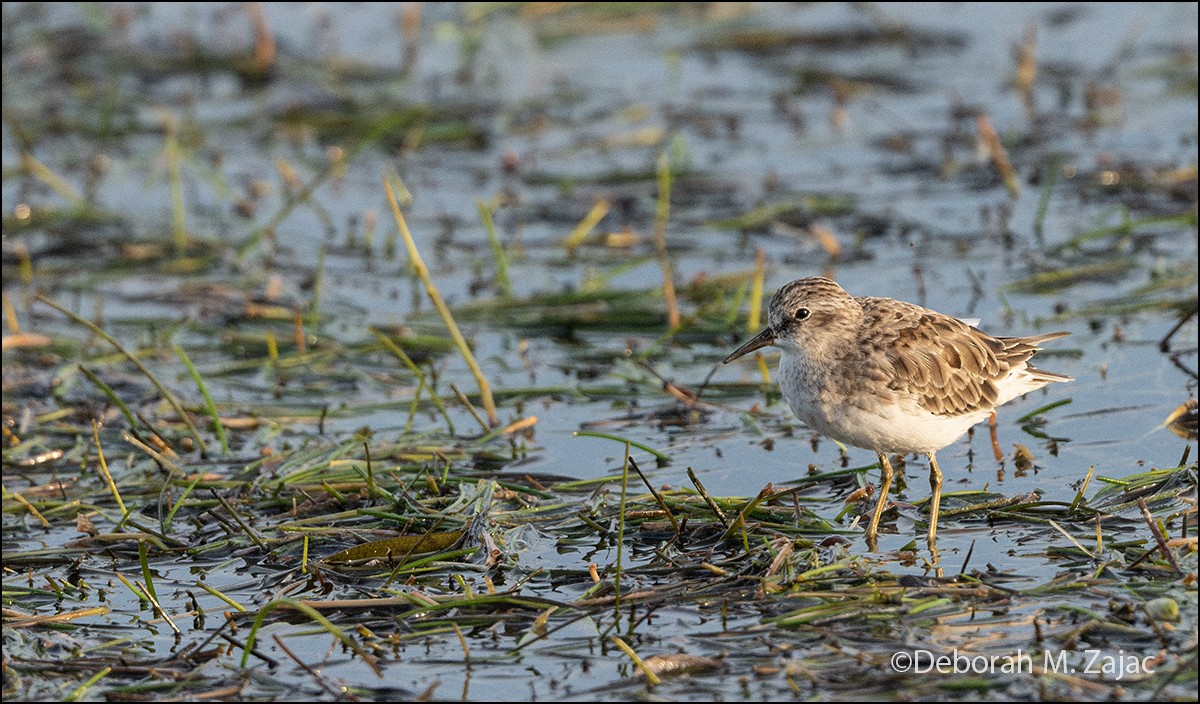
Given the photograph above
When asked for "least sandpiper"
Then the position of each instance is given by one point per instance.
(890, 376)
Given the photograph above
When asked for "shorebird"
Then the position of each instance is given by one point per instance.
(890, 376)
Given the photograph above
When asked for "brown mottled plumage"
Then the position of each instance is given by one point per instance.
(891, 376)
(952, 367)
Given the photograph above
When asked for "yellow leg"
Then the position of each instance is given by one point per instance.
(935, 501)
(885, 484)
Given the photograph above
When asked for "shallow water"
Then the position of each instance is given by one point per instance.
(885, 126)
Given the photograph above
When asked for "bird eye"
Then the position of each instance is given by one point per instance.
(800, 314)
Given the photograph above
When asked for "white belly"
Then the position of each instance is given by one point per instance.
(877, 421)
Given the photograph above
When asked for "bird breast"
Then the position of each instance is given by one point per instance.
(854, 408)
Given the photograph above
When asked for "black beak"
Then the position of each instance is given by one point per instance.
(762, 339)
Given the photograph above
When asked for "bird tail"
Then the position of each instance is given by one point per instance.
(1043, 375)
(1034, 342)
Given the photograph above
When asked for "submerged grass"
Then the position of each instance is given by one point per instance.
(485, 389)
(166, 394)
(350, 505)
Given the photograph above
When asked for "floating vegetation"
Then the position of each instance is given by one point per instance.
(1184, 421)
(840, 39)
(254, 450)
(391, 126)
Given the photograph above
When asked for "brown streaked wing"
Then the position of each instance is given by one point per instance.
(951, 367)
